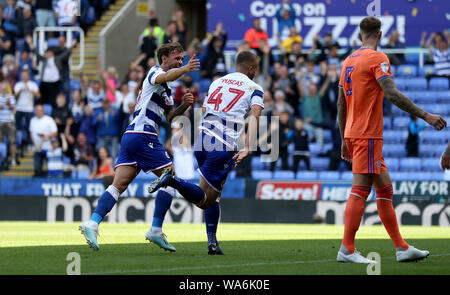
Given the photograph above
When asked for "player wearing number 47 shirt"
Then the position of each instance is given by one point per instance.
(365, 79)
(229, 99)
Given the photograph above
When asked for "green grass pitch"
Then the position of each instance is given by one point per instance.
(42, 248)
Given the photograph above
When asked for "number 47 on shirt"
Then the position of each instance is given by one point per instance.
(216, 98)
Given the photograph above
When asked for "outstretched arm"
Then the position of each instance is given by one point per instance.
(173, 74)
(405, 104)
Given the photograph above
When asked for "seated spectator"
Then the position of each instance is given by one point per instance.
(9, 70)
(55, 157)
(255, 34)
(300, 138)
(412, 143)
(94, 93)
(108, 127)
(103, 168)
(84, 154)
(286, 20)
(27, 93)
(61, 112)
(64, 13)
(284, 133)
(88, 126)
(7, 125)
(394, 43)
(42, 129)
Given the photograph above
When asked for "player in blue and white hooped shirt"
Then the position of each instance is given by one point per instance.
(229, 100)
(140, 148)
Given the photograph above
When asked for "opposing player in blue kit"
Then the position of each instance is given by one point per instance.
(140, 148)
(229, 100)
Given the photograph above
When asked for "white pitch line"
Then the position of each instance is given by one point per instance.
(229, 266)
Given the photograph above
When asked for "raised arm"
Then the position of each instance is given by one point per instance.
(173, 74)
(171, 113)
(404, 103)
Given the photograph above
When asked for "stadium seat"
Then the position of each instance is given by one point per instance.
(426, 97)
(439, 84)
(256, 163)
(426, 70)
(84, 174)
(48, 109)
(407, 71)
(431, 136)
(431, 150)
(232, 174)
(398, 176)
(307, 175)
(417, 175)
(437, 176)
(418, 84)
(394, 150)
(387, 123)
(401, 83)
(284, 174)
(412, 58)
(90, 17)
(204, 85)
(315, 148)
(75, 85)
(392, 164)
(442, 96)
(410, 164)
(3, 150)
(394, 70)
(401, 122)
(329, 175)
(346, 175)
(319, 164)
(327, 137)
(392, 136)
(431, 164)
(261, 174)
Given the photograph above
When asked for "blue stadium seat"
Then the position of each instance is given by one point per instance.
(319, 164)
(327, 147)
(426, 97)
(284, 174)
(437, 176)
(432, 136)
(391, 136)
(307, 175)
(387, 123)
(83, 174)
(426, 70)
(327, 137)
(407, 71)
(75, 85)
(315, 148)
(401, 83)
(204, 85)
(232, 174)
(431, 150)
(431, 164)
(392, 164)
(256, 163)
(410, 164)
(329, 175)
(418, 84)
(397, 176)
(442, 96)
(346, 175)
(394, 70)
(412, 58)
(417, 175)
(261, 174)
(397, 112)
(439, 84)
(401, 122)
(3, 150)
(394, 150)
(47, 109)
(90, 17)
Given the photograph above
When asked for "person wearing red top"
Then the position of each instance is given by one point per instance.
(365, 79)
(255, 34)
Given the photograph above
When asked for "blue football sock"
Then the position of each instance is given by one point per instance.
(105, 203)
(162, 204)
(212, 215)
(191, 192)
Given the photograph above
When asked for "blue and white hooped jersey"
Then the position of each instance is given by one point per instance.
(228, 100)
(152, 102)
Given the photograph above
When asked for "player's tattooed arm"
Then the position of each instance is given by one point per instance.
(171, 113)
(405, 104)
(399, 99)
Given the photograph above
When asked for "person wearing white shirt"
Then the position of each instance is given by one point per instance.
(7, 126)
(42, 129)
(66, 12)
(26, 91)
